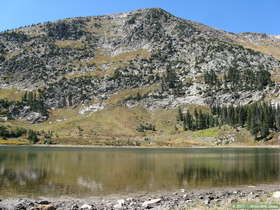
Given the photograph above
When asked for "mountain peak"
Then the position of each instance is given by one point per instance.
(112, 53)
(153, 10)
(157, 10)
(152, 13)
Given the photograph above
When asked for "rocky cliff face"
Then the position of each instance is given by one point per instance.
(155, 58)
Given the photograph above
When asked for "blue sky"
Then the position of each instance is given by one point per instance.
(230, 15)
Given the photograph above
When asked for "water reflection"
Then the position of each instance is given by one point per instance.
(80, 172)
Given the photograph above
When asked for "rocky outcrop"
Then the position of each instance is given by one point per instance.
(33, 112)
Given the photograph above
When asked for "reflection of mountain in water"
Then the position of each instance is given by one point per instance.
(263, 168)
(14, 174)
(81, 172)
(10, 177)
(90, 184)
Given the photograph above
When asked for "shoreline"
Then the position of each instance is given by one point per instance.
(143, 147)
(214, 198)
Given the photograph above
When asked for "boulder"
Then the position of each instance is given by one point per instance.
(35, 117)
(119, 204)
(151, 202)
(24, 204)
(86, 207)
(43, 207)
(276, 194)
(44, 202)
(206, 202)
(74, 207)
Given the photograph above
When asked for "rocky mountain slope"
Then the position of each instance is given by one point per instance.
(269, 44)
(145, 58)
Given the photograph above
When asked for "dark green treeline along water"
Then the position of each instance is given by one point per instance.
(78, 172)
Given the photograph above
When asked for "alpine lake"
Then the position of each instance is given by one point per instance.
(78, 172)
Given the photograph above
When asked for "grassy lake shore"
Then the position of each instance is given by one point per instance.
(135, 147)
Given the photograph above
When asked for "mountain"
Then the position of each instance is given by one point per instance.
(146, 60)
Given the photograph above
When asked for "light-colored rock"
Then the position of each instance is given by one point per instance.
(86, 207)
(150, 202)
(119, 204)
(206, 202)
(34, 117)
(43, 207)
(91, 108)
(3, 119)
(276, 194)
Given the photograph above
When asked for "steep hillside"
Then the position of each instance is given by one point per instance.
(146, 59)
(264, 43)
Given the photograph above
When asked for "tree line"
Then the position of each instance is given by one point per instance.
(34, 137)
(235, 79)
(8, 132)
(259, 118)
(35, 101)
(198, 120)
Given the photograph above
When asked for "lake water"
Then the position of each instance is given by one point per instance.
(41, 171)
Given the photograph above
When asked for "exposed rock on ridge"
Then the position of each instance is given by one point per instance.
(92, 59)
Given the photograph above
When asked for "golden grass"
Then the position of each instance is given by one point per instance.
(263, 48)
(11, 55)
(89, 74)
(124, 94)
(178, 140)
(275, 76)
(11, 94)
(104, 29)
(211, 132)
(198, 78)
(33, 35)
(141, 53)
(14, 141)
(116, 125)
(113, 121)
(70, 44)
(164, 120)
(106, 65)
(96, 73)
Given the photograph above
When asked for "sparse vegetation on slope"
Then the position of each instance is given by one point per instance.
(125, 75)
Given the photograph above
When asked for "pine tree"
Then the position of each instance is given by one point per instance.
(32, 136)
(264, 130)
(24, 97)
(189, 121)
(277, 118)
(180, 114)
